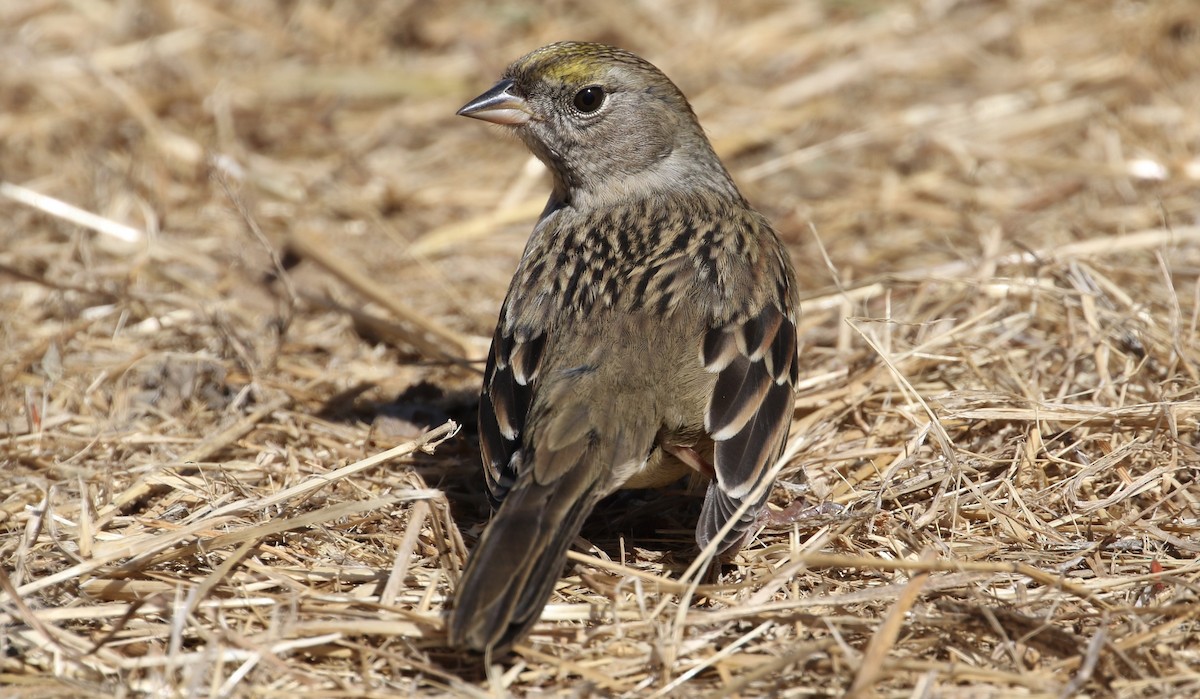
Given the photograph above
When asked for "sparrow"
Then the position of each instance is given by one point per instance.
(649, 330)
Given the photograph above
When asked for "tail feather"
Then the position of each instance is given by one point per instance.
(512, 571)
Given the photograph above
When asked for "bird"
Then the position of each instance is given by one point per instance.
(649, 331)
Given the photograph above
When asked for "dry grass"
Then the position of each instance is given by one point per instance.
(284, 246)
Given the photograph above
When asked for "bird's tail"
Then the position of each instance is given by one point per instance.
(512, 570)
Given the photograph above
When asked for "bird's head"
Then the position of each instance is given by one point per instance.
(605, 122)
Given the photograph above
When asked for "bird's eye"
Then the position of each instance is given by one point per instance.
(589, 99)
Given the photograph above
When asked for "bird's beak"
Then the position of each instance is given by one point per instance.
(499, 106)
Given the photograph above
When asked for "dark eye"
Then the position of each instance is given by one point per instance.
(589, 99)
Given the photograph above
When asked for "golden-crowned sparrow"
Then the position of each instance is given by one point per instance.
(649, 328)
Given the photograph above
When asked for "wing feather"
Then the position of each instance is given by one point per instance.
(748, 415)
(508, 382)
(737, 397)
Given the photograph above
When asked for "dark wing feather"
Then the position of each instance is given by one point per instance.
(508, 379)
(748, 415)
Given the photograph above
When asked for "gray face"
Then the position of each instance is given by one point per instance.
(594, 125)
(609, 125)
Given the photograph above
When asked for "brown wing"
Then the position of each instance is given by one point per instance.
(748, 414)
(512, 367)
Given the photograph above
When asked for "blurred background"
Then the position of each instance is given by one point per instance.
(899, 135)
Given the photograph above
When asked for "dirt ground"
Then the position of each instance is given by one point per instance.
(250, 261)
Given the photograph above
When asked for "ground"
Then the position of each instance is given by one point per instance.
(250, 260)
